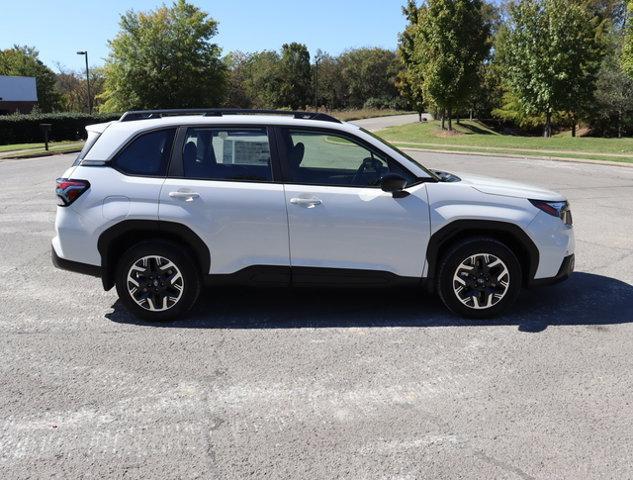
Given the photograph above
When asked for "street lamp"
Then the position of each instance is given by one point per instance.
(85, 54)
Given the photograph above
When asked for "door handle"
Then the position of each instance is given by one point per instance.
(306, 202)
(186, 196)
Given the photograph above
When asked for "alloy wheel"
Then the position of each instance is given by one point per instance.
(481, 281)
(155, 283)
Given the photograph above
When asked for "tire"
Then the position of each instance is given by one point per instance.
(168, 281)
(488, 273)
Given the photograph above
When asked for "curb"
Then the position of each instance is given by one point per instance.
(526, 157)
(38, 155)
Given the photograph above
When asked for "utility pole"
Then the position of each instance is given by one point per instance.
(85, 54)
(317, 58)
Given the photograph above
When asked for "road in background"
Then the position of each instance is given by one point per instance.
(374, 124)
(320, 384)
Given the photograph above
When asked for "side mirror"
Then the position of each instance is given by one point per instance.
(394, 184)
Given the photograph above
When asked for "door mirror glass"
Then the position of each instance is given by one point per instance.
(393, 183)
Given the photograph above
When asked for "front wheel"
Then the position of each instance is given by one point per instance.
(157, 281)
(479, 278)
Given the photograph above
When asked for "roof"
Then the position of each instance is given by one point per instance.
(18, 89)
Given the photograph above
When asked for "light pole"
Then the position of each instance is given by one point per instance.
(85, 54)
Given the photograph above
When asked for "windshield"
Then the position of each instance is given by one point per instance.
(408, 157)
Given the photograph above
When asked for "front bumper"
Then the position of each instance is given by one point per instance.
(565, 270)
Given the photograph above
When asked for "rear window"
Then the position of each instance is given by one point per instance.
(148, 154)
(90, 141)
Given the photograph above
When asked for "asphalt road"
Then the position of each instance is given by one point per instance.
(373, 124)
(319, 384)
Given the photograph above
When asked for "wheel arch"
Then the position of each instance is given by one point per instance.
(508, 233)
(118, 238)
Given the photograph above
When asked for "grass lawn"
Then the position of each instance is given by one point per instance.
(474, 136)
(23, 150)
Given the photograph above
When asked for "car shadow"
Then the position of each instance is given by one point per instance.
(584, 299)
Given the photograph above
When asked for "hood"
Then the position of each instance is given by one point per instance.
(508, 188)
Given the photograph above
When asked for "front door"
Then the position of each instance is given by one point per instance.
(338, 215)
(222, 188)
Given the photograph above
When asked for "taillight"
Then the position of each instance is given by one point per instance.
(555, 209)
(68, 190)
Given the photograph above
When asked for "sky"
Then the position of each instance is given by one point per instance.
(59, 28)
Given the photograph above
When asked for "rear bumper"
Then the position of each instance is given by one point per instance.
(565, 270)
(76, 267)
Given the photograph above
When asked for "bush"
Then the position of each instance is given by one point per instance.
(64, 126)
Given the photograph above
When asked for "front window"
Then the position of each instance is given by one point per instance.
(327, 158)
(408, 157)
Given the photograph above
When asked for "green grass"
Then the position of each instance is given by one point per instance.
(23, 150)
(474, 136)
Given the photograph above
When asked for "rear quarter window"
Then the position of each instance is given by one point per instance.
(148, 154)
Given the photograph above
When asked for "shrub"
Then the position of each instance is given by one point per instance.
(64, 126)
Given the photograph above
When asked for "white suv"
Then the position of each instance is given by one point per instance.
(163, 202)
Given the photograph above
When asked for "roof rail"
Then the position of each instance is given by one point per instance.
(218, 112)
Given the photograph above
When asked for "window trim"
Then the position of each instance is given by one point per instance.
(176, 168)
(287, 180)
(111, 161)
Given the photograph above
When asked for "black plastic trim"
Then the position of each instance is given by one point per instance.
(457, 228)
(218, 112)
(272, 275)
(72, 266)
(146, 229)
(564, 272)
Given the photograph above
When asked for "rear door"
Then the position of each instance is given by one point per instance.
(222, 185)
(338, 215)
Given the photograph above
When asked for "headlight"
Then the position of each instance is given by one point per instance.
(555, 209)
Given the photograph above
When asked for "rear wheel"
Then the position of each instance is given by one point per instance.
(479, 277)
(157, 281)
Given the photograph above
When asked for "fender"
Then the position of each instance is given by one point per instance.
(511, 234)
(113, 241)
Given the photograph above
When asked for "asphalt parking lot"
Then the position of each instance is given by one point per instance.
(287, 384)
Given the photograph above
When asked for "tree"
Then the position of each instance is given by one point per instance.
(329, 84)
(295, 76)
(553, 57)
(614, 96)
(164, 58)
(74, 90)
(409, 80)
(367, 73)
(261, 79)
(627, 42)
(236, 95)
(451, 45)
(24, 61)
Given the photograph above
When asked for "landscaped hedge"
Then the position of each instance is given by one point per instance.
(64, 126)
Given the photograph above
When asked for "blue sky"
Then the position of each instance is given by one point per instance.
(58, 28)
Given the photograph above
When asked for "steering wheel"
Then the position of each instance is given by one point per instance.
(369, 164)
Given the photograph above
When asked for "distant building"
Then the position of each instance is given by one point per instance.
(17, 94)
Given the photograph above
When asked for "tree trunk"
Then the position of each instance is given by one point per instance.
(450, 119)
(443, 120)
(419, 116)
(573, 129)
(619, 124)
(471, 114)
(547, 133)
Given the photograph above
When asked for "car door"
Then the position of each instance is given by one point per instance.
(221, 185)
(338, 215)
